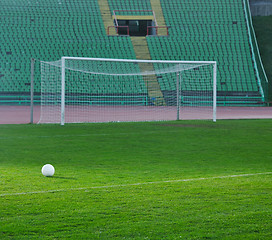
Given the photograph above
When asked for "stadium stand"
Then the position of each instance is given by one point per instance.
(47, 30)
(199, 30)
(196, 34)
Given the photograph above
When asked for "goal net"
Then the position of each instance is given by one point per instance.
(75, 90)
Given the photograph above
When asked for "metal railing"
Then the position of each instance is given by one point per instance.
(117, 30)
(149, 30)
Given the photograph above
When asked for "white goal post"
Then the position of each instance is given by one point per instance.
(80, 89)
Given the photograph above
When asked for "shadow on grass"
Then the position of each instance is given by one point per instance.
(60, 177)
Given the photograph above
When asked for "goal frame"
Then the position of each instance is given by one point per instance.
(64, 58)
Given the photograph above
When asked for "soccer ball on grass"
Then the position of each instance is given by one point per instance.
(48, 170)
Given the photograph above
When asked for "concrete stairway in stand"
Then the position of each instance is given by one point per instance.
(106, 16)
(142, 52)
(156, 7)
(140, 48)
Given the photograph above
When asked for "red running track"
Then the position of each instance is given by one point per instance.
(21, 114)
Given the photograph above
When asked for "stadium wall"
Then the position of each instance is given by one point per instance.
(261, 7)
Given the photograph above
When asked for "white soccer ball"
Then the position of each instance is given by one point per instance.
(48, 170)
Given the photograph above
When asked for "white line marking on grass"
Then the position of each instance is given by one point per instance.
(134, 184)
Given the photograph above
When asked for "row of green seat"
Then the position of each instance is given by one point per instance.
(131, 6)
(47, 30)
(220, 34)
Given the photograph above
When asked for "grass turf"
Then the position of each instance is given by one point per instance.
(93, 193)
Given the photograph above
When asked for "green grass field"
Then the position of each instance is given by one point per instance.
(157, 180)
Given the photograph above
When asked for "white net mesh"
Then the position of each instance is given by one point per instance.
(105, 90)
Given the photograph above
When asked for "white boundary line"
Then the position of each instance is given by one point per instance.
(134, 184)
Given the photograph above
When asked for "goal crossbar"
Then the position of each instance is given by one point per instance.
(137, 60)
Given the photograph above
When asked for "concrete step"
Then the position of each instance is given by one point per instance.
(156, 7)
(106, 16)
